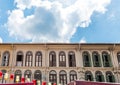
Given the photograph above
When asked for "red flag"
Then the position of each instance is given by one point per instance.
(1, 74)
(34, 82)
(54, 84)
(43, 83)
(11, 77)
(22, 80)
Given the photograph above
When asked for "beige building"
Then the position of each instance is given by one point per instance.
(60, 62)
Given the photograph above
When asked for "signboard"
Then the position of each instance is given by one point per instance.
(91, 83)
(19, 84)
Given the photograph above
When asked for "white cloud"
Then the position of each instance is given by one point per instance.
(52, 20)
(1, 40)
(83, 40)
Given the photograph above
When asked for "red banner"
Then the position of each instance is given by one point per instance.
(91, 83)
(19, 84)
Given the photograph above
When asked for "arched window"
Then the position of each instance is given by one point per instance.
(5, 58)
(73, 75)
(71, 58)
(106, 59)
(96, 59)
(88, 76)
(38, 59)
(3, 80)
(53, 76)
(38, 77)
(18, 75)
(118, 58)
(110, 77)
(99, 76)
(52, 59)
(27, 75)
(19, 59)
(86, 59)
(62, 59)
(63, 77)
(29, 57)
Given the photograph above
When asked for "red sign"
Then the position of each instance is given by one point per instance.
(19, 84)
(91, 83)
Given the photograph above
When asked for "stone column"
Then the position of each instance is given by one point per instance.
(33, 59)
(66, 52)
(68, 77)
(57, 59)
(24, 57)
(91, 58)
(57, 78)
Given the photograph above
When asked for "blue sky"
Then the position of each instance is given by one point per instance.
(84, 21)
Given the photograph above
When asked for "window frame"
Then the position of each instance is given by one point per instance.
(38, 58)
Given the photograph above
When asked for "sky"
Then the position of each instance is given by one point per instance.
(59, 21)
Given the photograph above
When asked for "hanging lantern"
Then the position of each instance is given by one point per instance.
(1, 75)
(43, 83)
(49, 83)
(38, 82)
(6, 76)
(11, 77)
(34, 82)
(17, 79)
(22, 80)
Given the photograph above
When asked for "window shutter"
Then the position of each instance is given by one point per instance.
(94, 62)
(110, 62)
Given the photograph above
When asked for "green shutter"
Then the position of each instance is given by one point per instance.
(103, 58)
(96, 78)
(102, 78)
(89, 61)
(113, 78)
(110, 62)
(99, 60)
(93, 60)
(107, 79)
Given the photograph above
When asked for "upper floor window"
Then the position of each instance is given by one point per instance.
(5, 58)
(63, 77)
(29, 57)
(96, 59)
(118, 58)
(71, 59)
(53, 76)
(18, 75)
(99, 76)
(106, 59)
(73, 75)
(86, 59)
(38, 59)
(62, 59)
(110, 77)
(19, 60)
(52, 59)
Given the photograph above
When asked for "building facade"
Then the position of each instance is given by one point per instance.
(60, 62)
